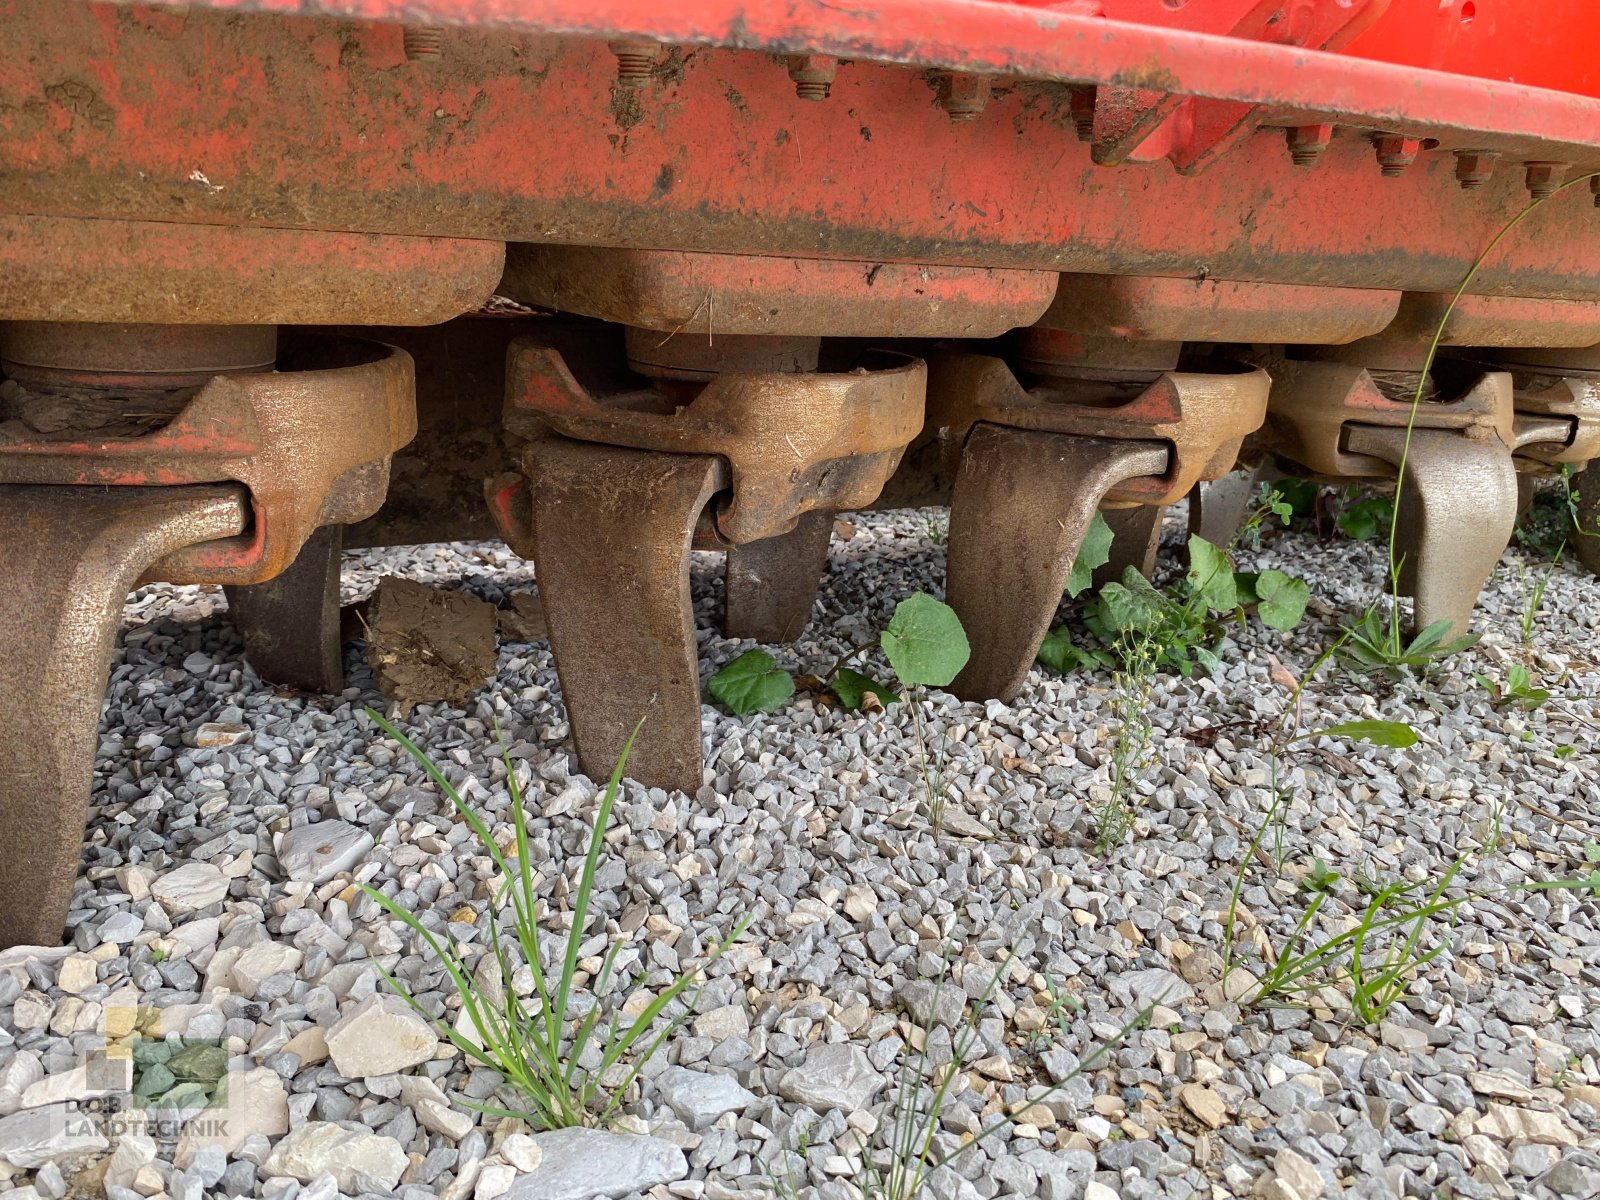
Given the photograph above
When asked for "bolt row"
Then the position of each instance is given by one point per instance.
(964, 96)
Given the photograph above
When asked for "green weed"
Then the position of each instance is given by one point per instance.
(1375, 644)
(537, 1044)
(1517, 689)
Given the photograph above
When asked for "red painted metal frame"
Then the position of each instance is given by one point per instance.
(1014, 42)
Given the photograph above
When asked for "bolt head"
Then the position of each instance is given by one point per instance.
(1543, 178)
(1307, 142)
(813, 74)
(964, 96)
(1395, 153)
(1474, 167)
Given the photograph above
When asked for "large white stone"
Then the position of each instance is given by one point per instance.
(432, 1108)
(192, 886)
(380, 1036)
(323, 1148)
(316, 853)
(579, 1164)
(832, 1076)
(134, 1152)
(16, 1077)
(699, 1098)
(35, 1136)
(256, 1104)
(261, 961)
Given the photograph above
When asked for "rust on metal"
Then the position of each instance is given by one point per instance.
(507, 140)
(56, 353)
(1135, 540)
(1507, 321)
(311, 445)
(610, 530)
(1314, 402)
(1022, 502)
(717, 294)
(772, 584)
(291, 624)
(1457, 507)
(792, 442)
(1201, 417)
(70, 556)
(57, 268)
(1146, 308)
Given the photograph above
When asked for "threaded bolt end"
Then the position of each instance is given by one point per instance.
(423, 42)
(1085, 126)
(1304, 157)
(812, 89)
(1470, 183)
(1392, 170)
(636, 61)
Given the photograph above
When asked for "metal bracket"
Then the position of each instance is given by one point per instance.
(312, 446)
(792, 441)
(1202, 418)
(1458, 480)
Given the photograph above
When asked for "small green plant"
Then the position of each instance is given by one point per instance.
(1363, 515)
(1376, 645)
(537, 1044)
(1518, 689)
(1533, 598)
(925, 647)
(923, 643)
(1176, 627)
(1375, 961)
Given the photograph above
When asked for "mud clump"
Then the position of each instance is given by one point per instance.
(428, 644)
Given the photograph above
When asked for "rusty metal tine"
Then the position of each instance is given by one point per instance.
(70, 555)
(1021, 503)
(772, 584)
(290, 625)
(1457, 509)
(1586, 533)
(1218, 508)
(1135, 538)
(611, 535)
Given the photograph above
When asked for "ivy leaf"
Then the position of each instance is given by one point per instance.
(1211, 576)
(924, 642)
(1095, 551)
(851, 687)
(1208, 659)
(1380, 733)
(1282, 599)
(751, 683)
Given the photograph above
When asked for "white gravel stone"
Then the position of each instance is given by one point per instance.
(316, 853)
(261, 961)
(833, 1076)
(321, 1147)
(379, 1036)
(522, 1152)
(699, 1098)
(190, 887)
(433, 1109)
(580, 1164)
(35, 1136)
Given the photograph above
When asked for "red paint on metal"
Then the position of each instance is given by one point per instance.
(1022, 43)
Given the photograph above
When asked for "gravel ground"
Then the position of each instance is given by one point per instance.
(232, 818)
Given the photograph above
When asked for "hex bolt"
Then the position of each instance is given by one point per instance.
(1307, 142)
(1544, 178)
(635, 62)
(423, 43)
(1395, 153)
(1474, 167)
(963, 96)
(813, 75)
